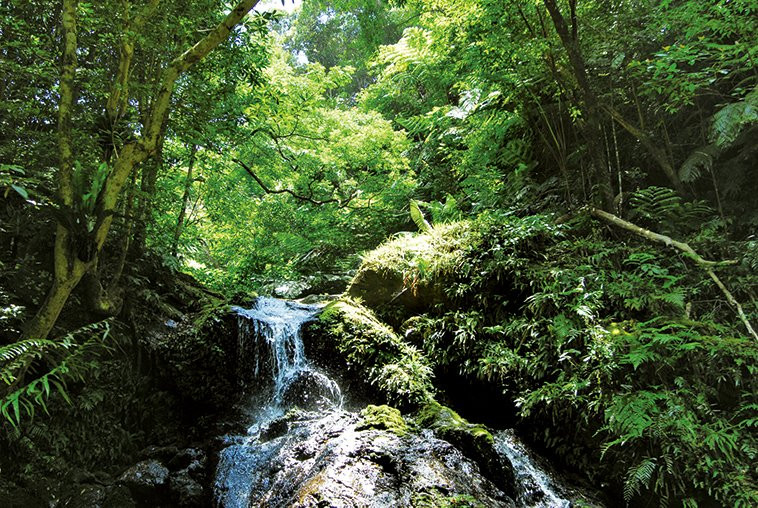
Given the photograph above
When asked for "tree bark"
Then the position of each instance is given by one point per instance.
(69, 269)
(185, 201)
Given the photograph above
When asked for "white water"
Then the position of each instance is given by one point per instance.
(536, 488)
(278, 374)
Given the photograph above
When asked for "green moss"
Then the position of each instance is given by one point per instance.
(428, 255)
(376, 353)
(436, 499)
(410, 274)
(447, 422)
(383, 418)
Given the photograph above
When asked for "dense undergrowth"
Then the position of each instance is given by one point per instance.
(611, 348)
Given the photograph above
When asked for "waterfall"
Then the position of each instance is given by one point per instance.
(283, 452)
(275, 371)
(536, 487)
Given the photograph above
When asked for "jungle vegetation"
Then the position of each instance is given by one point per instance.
(576, 178)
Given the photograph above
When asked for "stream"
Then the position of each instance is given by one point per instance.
(302, 448)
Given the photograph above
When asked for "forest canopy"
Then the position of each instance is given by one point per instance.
(599, 157)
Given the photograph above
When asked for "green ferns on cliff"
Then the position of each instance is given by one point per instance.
(611, 347)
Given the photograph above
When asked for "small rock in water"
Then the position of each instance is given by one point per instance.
(310, 390)
(147, 479)
(274, 430)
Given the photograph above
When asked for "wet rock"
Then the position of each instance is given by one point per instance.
(186, 491)
(475, 441)
(193, 459)
(328, 460)
(146, 480)
(274, 429)
(310, 390)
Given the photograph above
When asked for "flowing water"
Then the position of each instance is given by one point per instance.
(278, 377)
(535, 486)
(283, 446)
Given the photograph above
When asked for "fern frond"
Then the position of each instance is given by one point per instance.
(730, 120)
(18, 349)
(700, 159)
(418, 217)
(655, 202)
(639, 476)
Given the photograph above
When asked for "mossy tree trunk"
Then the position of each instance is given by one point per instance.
(70, 262)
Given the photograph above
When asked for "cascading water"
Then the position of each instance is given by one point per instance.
(536, 487)
(319, 453)
(273, 363)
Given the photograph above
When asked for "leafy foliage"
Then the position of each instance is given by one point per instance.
(70, 358)
(577, 328)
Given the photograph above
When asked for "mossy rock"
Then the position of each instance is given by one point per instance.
(447, 422)
(474, 440)
(383, 418)
(348, 336)
(409, 274)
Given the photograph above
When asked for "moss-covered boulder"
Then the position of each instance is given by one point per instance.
(407, 274)
(349, 338)
(383, 418)
(474, 440)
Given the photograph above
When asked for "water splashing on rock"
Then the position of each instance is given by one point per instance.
(301, 448)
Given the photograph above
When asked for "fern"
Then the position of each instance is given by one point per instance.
(67, 356)
(730, 120)
(700, 159)
(655, 202)
(639, 476)
(418, 217)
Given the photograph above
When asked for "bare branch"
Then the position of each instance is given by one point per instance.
(299, 197)
(706, 265)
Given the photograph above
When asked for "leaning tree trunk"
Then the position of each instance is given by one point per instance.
(69, 268)
(185, 201)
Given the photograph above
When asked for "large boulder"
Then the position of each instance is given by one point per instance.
(368, 356)
(407, 275)
(341, 459)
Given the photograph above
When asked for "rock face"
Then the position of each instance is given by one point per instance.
(169, 477)
(337, 460)
(146, 479)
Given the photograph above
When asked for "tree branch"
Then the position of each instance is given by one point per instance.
(299, 197)
(706, 265)
(183, 62)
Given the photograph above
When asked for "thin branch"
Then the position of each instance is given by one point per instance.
(269, 190)
(706, 265)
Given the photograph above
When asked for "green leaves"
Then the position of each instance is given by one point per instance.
(418, 217)
(69, 357)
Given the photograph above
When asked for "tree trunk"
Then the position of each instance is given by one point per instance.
(69, 269)
(593, 104)
(590, 107)
(185, 201)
